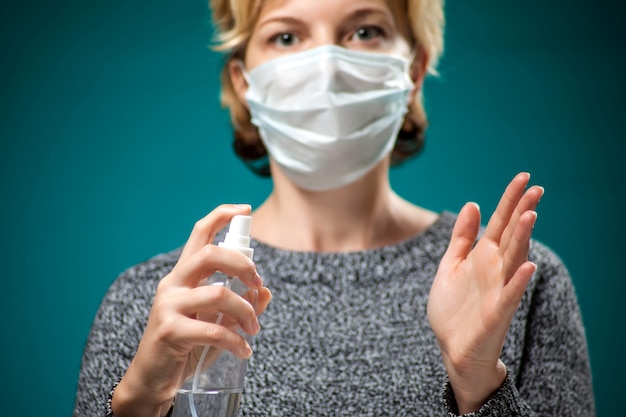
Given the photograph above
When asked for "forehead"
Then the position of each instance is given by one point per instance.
(396, 7)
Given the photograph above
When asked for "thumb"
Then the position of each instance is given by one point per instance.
(464, 234)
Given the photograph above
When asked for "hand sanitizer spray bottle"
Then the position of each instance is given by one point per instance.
(215, 388)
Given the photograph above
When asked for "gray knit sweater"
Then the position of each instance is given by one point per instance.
(346, 334)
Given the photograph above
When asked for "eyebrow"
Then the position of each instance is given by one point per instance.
(364, 12)
(355, 15)
(281, 19)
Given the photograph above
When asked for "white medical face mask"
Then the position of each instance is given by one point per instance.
(328, 115)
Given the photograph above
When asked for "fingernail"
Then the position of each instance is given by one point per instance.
(243, 206)
(246, 351)
(534, 218)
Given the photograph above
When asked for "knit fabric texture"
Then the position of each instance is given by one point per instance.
(346, 334)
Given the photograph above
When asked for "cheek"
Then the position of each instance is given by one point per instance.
(402, 47)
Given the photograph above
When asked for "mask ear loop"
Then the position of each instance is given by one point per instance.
(244, 71)
(411, 58)
(410, 62)
(408, 71)
(411, 137)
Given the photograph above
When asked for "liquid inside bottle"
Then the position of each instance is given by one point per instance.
(208, 403)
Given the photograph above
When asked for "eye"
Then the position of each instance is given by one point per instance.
(367, 33)
(284, 39)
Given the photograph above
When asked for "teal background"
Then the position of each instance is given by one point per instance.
(113, 144)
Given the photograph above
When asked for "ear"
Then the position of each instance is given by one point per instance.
(418, 70)
(237, 79)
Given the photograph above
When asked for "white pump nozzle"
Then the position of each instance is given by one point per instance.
(238, 236)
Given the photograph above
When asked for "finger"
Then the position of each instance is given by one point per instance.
(529, 201)
(513, 292)
(464, 234)
(251, 296)
(209, 299)
(264, 297)
(502, 215)
(258, 298)
(205, 229)
(517, 252)
(200, 333)
(211, 258)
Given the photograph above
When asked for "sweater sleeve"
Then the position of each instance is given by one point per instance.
(115, 334)
(554, 376)
(505, 402)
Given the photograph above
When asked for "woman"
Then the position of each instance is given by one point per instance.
(379, 307)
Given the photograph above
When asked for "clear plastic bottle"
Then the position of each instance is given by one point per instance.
(216, 386)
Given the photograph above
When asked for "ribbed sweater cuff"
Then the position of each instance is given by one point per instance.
(505, 402)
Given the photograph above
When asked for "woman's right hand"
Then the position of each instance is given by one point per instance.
(169, 349)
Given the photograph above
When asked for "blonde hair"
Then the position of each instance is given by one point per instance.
(234, 21)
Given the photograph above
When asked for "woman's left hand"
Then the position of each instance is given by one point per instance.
(477, 290)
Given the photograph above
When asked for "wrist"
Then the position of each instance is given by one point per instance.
(126, 401)
(131, 397)
(473, 386)
(145, 390)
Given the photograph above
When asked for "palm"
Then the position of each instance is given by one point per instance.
(467, 310)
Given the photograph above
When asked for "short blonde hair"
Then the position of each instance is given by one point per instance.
(235, 20)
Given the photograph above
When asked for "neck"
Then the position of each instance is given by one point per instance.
(361, 215)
